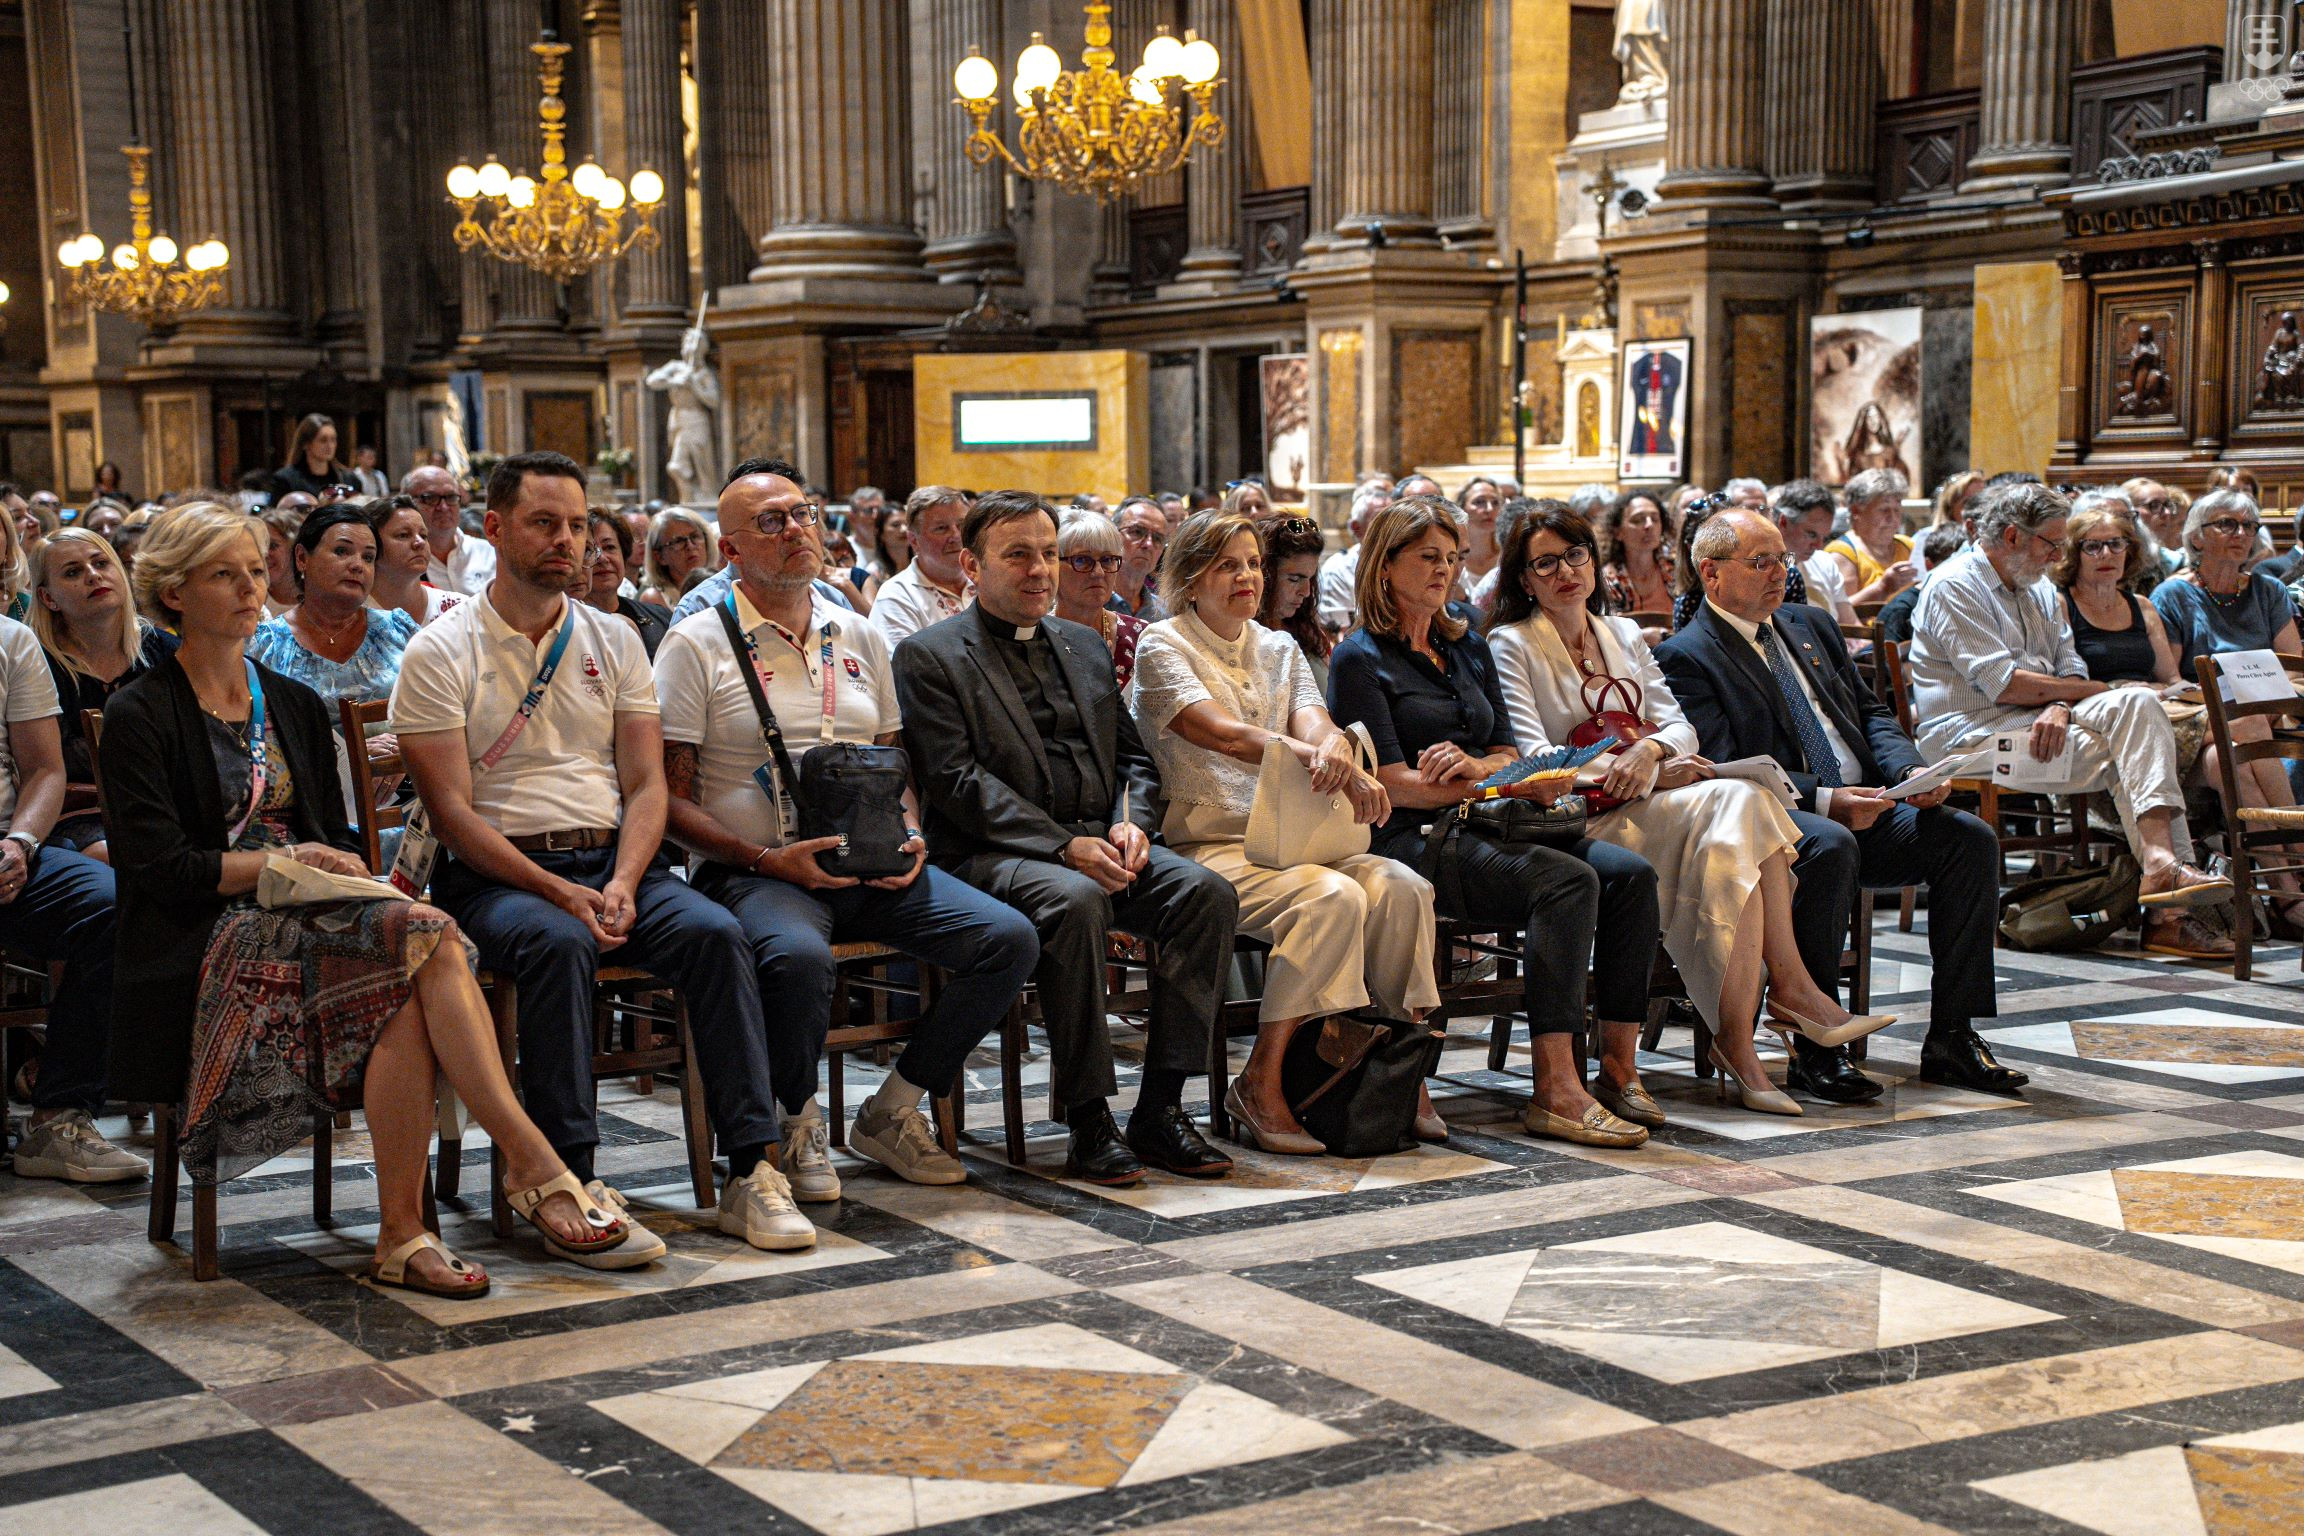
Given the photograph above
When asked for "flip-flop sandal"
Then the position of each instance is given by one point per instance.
(608, 1228)
(392, 1270)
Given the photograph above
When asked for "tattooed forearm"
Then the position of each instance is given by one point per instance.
(680, 769)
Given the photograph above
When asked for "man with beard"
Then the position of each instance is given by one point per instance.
(1992, 652)
(530, 725)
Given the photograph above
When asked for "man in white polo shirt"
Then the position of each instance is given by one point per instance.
(549, 835)
(460, 562)
(824, 673)
(932, 588)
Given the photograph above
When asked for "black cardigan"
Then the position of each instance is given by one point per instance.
(164, 816)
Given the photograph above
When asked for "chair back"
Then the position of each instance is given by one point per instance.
(362, 719)
(92, 727)
(2230, 754)
(1661, 621)
(1867, 613)
(1863, 655)
(1894, 668)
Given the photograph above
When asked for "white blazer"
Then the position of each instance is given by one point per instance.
(1542, 687)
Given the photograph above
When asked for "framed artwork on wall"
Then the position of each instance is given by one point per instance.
(1653, 420)
(1864, 413)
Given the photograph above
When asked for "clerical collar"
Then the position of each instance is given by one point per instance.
(1002, 629)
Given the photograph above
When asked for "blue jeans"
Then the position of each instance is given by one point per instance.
(677, 933)
(65, 913)
(986, 949)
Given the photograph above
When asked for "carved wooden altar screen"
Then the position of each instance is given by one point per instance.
(2183, 295)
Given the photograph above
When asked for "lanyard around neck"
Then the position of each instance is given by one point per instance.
(767, 675)
(256, 756)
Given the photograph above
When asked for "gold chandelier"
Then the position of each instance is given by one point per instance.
(143, 276)
(566, 224)
(1094, 130)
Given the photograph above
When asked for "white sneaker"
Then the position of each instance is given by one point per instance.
(807, 1161)
(903, 1144)
(640, 1246)
(69, 1147)
(758, 1208)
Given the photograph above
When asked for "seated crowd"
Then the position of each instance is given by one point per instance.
(592, 707)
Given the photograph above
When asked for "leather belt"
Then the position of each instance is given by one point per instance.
(574, 840)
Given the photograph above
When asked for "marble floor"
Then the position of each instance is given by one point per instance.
(2078, 1312)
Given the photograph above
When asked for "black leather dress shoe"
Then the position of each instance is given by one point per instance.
(1098, 1155)
(1828, 1074)
(1168, 1140)
(1961, 1059)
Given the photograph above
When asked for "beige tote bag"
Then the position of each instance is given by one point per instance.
(1290, 824)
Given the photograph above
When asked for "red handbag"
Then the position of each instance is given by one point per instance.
(1621, 725)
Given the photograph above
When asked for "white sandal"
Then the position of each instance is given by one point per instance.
(609, 1230)
(392, 1270)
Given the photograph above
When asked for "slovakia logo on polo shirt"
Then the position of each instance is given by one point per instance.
(592, 683)
(854, 670)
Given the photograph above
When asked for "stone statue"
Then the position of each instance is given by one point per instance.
(2145, 391)
(693, 461)
(2282, 383)
(1641, 33)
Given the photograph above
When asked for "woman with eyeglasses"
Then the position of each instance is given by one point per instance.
(2119, 636)
(1292, 549)
(1722, 848)
(679, 546)
(1088, 560)
(608, 558)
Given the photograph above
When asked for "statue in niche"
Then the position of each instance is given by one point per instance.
(1588, 420)
(693, 456)
(2281, 385)
(1641, 33)
(2144, 392)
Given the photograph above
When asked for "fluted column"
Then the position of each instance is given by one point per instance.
(657, 279)
(2256, 38)
(525, 300)
(842, 152)
(964, 206)
(1325, 40)
(1823, 76)
(2025, 136)
(1715, 144)
(1459, 136)
(733, 56)
(226, 159)
(1388, 121)
(1215, 178)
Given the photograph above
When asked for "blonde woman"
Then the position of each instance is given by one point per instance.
(96, 645)
(679, 545)
(255, 1020)
(15, 570)
(1213, 689)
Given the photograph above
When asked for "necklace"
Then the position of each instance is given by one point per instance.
(1109, 623)
(335, 638)
(2222, 599)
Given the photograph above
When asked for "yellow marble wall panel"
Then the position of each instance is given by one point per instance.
(2012, 389)
(1435, 393)
(1339, 405)
(1539, 123)
(1118, 464)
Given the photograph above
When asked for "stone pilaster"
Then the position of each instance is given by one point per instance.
(2257, 37)
(1388, 122)
(1823, 76)
(226, 162)
(1459, 130)
(526, 303)
(2027, 108)
(1215, 177)
(732, 172)
(656, 280)
(964, 205)
(1715, 134)
(1325, 40)
(1108, 279)
(841, 150)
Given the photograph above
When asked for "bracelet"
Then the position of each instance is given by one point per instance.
(754, 864)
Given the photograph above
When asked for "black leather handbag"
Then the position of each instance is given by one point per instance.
(842, 789)
(1351, 1081)
(1507, 820)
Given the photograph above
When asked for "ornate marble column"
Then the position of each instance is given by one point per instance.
(657, 280)
(1388, 121)
(1823, 76)
(1215, 178)
(2025, 137)
(1459, 136)
(226, 160)
(732, 160)
(841, 152)
(1324, 38)
(1714, 132)
(965, 206)
(2256, 38)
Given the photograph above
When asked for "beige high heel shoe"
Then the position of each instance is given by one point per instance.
(1767, 1099)
(1787, 1023)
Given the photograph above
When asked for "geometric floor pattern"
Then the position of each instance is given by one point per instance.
(2080, 1311)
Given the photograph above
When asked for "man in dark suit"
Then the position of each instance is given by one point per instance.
(1039, 792)
(1759, 678)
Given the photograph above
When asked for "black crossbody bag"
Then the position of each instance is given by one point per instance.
(854, 793)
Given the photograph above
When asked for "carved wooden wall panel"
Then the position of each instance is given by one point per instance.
(2142, 387)
(2266, 384)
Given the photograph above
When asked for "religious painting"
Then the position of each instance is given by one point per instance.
(1864, 411)
(1653, 434)
(1588, 419)
(1287, 385)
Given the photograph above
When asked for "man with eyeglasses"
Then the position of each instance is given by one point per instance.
(2159, 514)
(1758, 676)
(932, 588)
(824, 673)
(1340, 572)
(1992, 652)
(1144, 530)
(460, 562)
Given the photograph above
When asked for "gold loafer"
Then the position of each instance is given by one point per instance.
(1631, 1102)
(1598, 1128)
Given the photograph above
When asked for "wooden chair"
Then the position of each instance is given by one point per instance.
(2248, 828)
(1869, 613)
(862, 976)
(1123, 995)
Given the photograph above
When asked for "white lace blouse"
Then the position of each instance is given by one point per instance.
(1260, 679)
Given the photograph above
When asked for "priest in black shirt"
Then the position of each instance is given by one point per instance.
(1038, 791)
